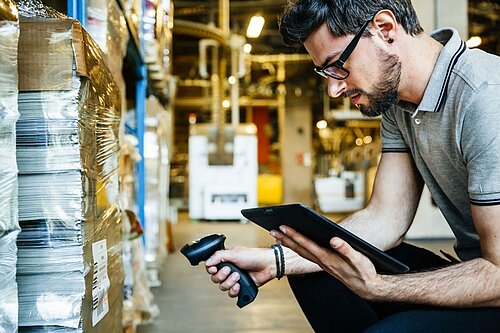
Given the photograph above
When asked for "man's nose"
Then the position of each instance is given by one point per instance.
(336, 87)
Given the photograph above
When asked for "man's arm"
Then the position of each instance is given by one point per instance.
(474, 283)
(390, 212)
(387, 217)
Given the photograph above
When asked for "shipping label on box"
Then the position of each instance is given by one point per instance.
(100, 281)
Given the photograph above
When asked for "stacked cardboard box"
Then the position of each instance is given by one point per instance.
(70, 273)
(9, 226)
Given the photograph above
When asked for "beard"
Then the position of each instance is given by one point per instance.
(385, 92)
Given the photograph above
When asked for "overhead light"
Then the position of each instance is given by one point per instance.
(226, 104)
(247, 48)
(255, 26)
(474, 41)
(322, 124)
(192, 118)
(231, 79)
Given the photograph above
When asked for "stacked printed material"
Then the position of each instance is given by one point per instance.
(69, 267)
(9, 226)
(50, 266)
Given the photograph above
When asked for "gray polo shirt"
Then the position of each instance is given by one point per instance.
(454, 135)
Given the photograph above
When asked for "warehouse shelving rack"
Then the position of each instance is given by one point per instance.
(138, 86)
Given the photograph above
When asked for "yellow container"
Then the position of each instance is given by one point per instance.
(269, 189)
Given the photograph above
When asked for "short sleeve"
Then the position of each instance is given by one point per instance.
(480, 143)
(392, 138)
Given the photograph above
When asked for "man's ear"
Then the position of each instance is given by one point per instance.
(386, 25)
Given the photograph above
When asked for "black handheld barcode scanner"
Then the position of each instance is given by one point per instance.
(202, 249)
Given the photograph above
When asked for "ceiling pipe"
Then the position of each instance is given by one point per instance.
(195, 29)
(236, 43)
(224, 17)
(204, 44)
(280, 58)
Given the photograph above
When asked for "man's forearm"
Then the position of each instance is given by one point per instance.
(474, 283)
(383, 231)
(295, 264)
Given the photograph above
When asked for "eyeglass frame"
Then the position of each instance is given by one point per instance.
(339, 63)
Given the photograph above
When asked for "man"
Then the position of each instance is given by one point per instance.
(439, 103)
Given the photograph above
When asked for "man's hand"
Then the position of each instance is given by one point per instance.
(351, 267)
(475, 281)
(259, 263)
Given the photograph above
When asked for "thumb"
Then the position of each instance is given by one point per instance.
(340, 246)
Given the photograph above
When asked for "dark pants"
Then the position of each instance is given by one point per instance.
(331, 307)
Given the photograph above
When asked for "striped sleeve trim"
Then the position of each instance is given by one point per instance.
(491, 202)
(396, 150)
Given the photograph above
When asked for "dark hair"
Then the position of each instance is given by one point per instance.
(302, 17)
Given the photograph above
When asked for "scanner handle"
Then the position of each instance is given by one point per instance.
(248, 288)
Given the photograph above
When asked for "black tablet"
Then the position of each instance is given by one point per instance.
(320, 229)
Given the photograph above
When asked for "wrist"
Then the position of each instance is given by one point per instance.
(376, 288)
(271, 264)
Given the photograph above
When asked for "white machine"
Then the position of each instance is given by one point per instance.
(222, 179)
(345, 193)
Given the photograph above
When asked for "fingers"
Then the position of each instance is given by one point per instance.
(296, 239)
(227, 281)
(234, 291)
(217, 258)
(288, 234)
(298, 243)
(312, 251)
(221, 275)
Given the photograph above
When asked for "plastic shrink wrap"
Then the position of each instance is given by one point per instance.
(139, 305)
(107, 25)
(157, 45)
(9, 226)
(129, 155)
(133, 11)
(69, 270)
(157, 178)
(139, 300)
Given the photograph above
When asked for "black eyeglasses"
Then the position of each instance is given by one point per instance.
(336, 69)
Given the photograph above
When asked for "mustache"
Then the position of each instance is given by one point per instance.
(354, 91)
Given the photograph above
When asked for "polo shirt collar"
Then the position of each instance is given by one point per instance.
(453, 48)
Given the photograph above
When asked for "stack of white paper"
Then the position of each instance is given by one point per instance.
(50, 267)
(9, 227)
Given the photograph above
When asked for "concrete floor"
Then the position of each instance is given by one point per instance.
(190, 302)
